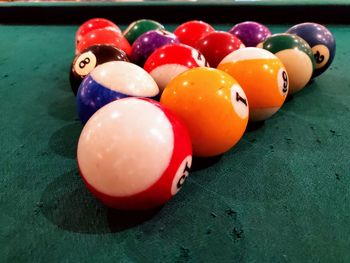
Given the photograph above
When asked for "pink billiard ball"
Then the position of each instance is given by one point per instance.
(134, 154)
(169, 61)
(92, 24)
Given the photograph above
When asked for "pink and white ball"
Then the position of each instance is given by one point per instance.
(169, 61)
(134, 154)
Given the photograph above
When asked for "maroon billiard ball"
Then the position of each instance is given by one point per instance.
(217, 45)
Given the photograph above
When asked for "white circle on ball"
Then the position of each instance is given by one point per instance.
(85, 63)
(125, 147)
(283, 81)
(199, 58)
(321, 55)
(181, 175)
(239, 101)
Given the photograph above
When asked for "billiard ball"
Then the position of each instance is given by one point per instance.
(191, 32)
(104, 36)
(216, 45)
(148, 42)
(90, 58)
(137, 28)
(250, 33)
(134, 154)
(213, 107)
(296, 55)
(92, 24)
(263, 78)
(321, 41)
(112, 81)
(169, 61)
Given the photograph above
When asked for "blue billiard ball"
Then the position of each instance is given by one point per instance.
(321, 41)
(112, 81)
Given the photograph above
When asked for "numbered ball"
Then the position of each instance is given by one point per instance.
(321, 42)
(112, 81)
(104, 36)
(134, 154)
(92, 24)
(169, 61)
(191, 32)
(250, 33)
(216, 45)
(263, 78)
(148, 42)
(296, 56)
(90, 58)
(213, 107)
(137, 28)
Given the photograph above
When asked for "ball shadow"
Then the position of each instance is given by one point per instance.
(68, 204)
(64, 109)
(64, 141)
(200, 163)
(254, 126)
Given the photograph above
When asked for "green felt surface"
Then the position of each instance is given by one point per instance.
(281, 195)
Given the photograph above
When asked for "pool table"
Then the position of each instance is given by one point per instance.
(282, 194)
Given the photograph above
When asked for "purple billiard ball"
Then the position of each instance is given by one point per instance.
(148, 42)
(321, 42)
(250, 33)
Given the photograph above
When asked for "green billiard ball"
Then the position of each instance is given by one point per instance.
(137, 28)
(296, 55)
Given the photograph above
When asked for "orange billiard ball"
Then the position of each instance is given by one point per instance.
(212, 105)
(263, 78)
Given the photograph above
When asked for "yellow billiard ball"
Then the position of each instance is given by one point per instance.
(263, 78)
(212, 105)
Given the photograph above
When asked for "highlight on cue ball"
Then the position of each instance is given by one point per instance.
(112, 81)
(134, 154)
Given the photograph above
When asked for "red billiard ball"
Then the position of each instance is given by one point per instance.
(169, 61)
(217, 45)
(92, 24)
(104, 36)
(191, 32)
(134, 154)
